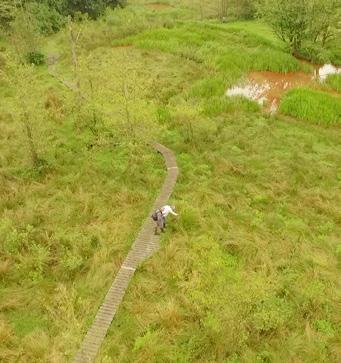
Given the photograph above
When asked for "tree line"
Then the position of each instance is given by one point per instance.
(52, 14)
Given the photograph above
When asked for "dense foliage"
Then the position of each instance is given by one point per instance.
(50, 13)
(94, 8)
(297, 22)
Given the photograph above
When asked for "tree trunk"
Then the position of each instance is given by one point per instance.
(130, 126)
(74, 39)
(223, 9)
(32, 147)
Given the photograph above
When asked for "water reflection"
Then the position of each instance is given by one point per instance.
(267, 87)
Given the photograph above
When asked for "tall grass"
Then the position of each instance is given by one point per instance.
(250, 268)
(232, 51)
(316, 107)
(334, 81)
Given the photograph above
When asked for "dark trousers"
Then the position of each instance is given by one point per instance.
(161, 222)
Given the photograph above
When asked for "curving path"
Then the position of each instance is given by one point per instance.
(144, 246)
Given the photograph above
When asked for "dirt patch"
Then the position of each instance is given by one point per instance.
(158, 6)
(125, 46)
(267, 87)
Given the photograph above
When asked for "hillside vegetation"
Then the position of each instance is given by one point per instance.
(248, 272)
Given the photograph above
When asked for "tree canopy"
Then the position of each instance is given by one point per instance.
(298, 21)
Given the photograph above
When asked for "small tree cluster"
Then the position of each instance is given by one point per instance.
(51, 15)
(296, 22)
(94, 8)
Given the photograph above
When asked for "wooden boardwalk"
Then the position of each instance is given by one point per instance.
(144, 246)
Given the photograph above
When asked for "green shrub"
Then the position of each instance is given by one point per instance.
(94, 8)
(35, 58)
(310, 105)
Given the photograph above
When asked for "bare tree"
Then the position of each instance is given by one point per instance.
(31, 144)
(223, 8)
(74, 38)
(23, 78)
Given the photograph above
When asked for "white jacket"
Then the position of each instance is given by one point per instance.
(165, 210)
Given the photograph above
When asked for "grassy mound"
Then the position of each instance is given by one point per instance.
(334, 81)
(316, 107)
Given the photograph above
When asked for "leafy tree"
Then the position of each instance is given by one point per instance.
(325, 18)
(91, 7)
(94, 8)
(48, 16)
(289, 20)
(298, 21)
(25, 34)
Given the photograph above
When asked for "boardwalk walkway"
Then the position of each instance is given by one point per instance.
(144, 246)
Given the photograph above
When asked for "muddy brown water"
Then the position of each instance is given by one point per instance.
(267, 87)
(158, 6)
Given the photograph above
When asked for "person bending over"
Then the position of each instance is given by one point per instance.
(160, 217)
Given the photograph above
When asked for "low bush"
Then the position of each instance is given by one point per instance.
(35, 58)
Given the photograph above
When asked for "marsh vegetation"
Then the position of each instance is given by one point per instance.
(249, 271)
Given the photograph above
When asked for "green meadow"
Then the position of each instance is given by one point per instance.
(248, 272)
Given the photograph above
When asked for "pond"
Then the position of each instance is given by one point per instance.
(267, 87)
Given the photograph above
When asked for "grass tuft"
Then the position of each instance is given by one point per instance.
(334, 81)
(313, 106)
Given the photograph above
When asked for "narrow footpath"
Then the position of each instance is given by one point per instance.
(145, 244)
